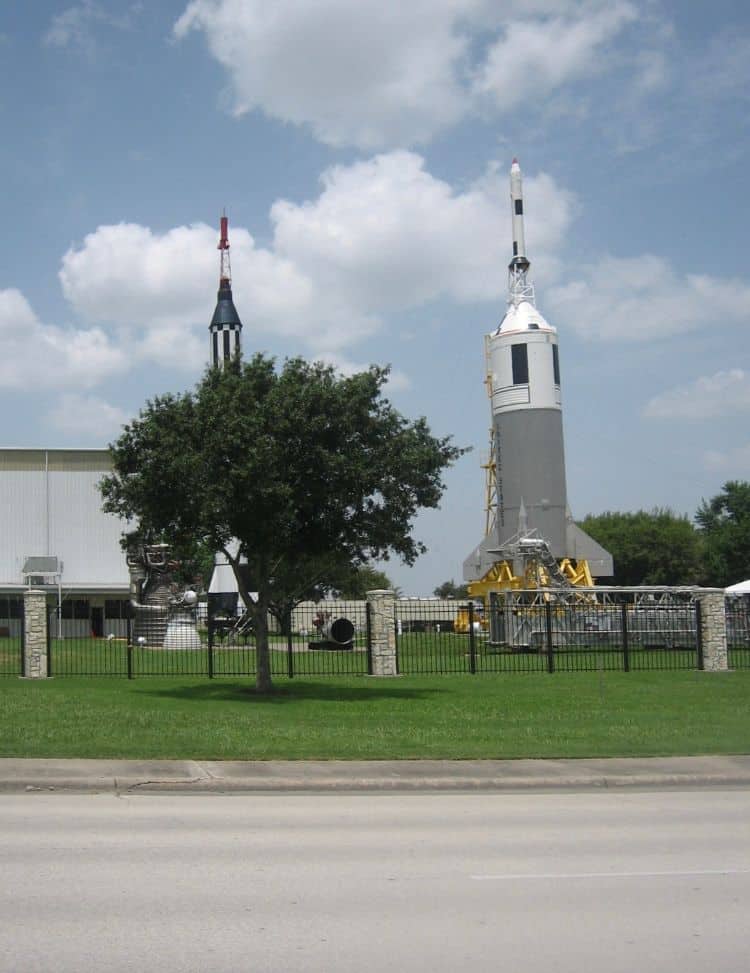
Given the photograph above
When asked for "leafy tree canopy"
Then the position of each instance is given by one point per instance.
(354, 582)
(296, 464)
(449, 589)
(656, 547)
(724, 523)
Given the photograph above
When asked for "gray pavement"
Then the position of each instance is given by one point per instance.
(211, 776)
(622, 881)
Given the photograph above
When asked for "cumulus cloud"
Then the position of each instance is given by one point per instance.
(548, 53)
(726, 393)
(643, 299)
(86, 416)
(159, 286)
(34, 354)
(364, 73)
(383, 235)
(388, 234)
(375, 74)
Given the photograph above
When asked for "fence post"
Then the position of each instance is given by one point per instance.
(129, 647)
(550, 650)
(368, 630)
(35, 647)
(383, 632)
(472, 645)
(625, 638)
(711, 624)
(210, 638)
(289, 649)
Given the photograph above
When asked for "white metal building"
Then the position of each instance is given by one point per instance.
(50, 506)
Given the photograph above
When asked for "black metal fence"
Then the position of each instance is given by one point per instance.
(738, 632)
(548, 632)
(519, 632)
(310, 641)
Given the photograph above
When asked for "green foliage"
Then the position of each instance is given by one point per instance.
(358, 581)
(724, 523)
(449, 589)
(297, 464)
(655, 547)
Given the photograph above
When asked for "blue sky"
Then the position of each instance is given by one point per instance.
(361, 151)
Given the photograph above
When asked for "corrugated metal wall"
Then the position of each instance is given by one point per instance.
(49, 504)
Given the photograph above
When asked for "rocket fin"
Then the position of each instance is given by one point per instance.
(581, 547)
(478, 563)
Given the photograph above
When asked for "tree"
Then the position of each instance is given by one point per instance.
(449, 589)
(295, 465)
(655, 547)
(356, 581)
(724, 523)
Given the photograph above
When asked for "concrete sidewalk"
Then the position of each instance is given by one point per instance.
(247, 777)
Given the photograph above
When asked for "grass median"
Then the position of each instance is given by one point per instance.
(450, 717)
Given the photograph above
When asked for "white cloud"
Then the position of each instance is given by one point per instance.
(87, 415)
(725, 393)
(644, 299)
(384, 234)
(548, 53)
(75, 26)
(34, 355)
(380, 72)
(734, 462)
(366, 73)
(397, 380)
(158, 286)
(387, 234)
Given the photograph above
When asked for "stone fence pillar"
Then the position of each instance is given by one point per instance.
(713, 630)
(35, 634)
(383, 631)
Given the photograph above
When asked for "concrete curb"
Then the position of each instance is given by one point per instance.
(256, 777)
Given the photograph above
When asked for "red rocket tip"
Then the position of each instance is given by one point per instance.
(515, 161)
(224, 234)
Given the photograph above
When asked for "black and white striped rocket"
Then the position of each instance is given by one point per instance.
(524, 383)
(226, 328)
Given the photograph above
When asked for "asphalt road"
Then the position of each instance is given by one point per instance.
(615, 881)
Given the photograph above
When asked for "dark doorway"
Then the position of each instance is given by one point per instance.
(97, 622)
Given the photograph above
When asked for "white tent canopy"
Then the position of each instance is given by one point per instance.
(741, 588)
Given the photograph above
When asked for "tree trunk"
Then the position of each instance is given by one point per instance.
(263, 656)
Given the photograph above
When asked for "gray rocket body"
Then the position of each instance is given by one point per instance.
(524, 383)
(530, 472)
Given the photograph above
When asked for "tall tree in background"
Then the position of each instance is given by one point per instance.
(655, 547)
(354, 583)
(449, 589)
(724, 523)
(295, 466)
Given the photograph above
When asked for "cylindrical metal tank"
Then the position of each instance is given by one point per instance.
(527, 415)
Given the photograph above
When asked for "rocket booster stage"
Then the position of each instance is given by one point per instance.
(524, 384)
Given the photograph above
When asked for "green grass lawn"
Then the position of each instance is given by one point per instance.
(503, 715)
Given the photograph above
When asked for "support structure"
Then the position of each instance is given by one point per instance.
(382, 603)
(713, 630)
(35, 634)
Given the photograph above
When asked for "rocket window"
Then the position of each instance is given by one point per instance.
(556, 364)
(216, 347)
(227, 352)
(520, 362)
(519, 207)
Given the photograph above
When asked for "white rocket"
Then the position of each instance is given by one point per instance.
(524, 381)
